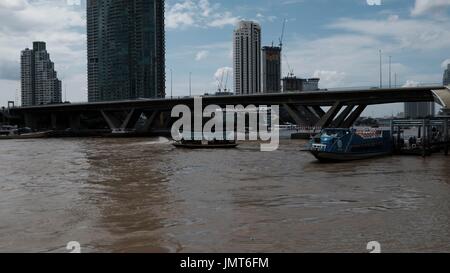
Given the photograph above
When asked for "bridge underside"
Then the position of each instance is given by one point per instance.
(304, 109)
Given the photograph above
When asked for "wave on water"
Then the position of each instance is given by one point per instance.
(157, 141)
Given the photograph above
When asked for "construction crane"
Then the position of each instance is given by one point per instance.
(220, 83)
(290, 69)
(226, 82)
(282, 33)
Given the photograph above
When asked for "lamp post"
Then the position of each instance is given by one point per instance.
(390, 74)
(171, 83)
(381, 70)
(190, 84)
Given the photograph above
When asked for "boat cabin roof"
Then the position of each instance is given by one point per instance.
(335, 132)
(206, 136)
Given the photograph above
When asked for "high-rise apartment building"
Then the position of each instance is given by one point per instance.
(247, 58)
(271, 69)
(447, 75)
(39, 80)
(126, 49)
(415, 110)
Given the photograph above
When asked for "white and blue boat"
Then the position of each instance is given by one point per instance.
(341, 144)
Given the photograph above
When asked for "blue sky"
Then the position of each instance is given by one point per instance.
(337, 40)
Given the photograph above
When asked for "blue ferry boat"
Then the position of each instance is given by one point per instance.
(334, 145)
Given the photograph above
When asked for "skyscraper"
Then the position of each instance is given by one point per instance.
(247, 58)
(447, 75)
(415, 110)
(126, 49)
(271, 67)
(39, 80)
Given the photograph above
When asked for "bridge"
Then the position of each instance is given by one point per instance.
(153, 115)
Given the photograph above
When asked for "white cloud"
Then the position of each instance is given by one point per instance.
(13, 4)
(60, 25)
(350, 56)
(445, 63)
(201, 55)
(197, 13)
(424, 6)
(329, 78)
(226, 20)
(410, 83)
(340, 60)
(408, 33)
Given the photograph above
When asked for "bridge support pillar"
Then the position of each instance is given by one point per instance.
(326, 120)
(319, 111)
(75, 121)
(151, 116)
(30, 121)
(121, 120)
(337, 123)
(112, 121)
(131, 119)
(446, 139)
(167, 120)
(301, 115)
(53, 121)
(354, 116)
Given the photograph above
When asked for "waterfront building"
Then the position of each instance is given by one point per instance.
(247, 58)
(39, 80)
(294, 84)
(126, 49)
(447, 75)
(271, 69)
(416, 110)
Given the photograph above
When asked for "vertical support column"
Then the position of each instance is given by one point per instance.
(446, 136)
(30, 121)
(75, 121)
(167, 120)
(54, 121)
(2, 113)
(424, 139)
(392, 133)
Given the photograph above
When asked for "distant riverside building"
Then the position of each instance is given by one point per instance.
(126, 49)
(247, 58)
(271, 67)
(294, 84)
(415, 110)
(447, 75)
(39, 80)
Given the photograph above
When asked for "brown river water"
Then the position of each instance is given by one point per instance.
(143, 195)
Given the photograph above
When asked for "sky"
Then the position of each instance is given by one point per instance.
(336, 40)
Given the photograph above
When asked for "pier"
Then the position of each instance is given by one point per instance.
(422, 136)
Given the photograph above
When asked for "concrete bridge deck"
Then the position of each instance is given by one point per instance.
(304, 108)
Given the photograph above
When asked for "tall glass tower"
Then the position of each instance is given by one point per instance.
(271, 66)
(126, 49)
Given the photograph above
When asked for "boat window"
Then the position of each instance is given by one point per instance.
(335, 133)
